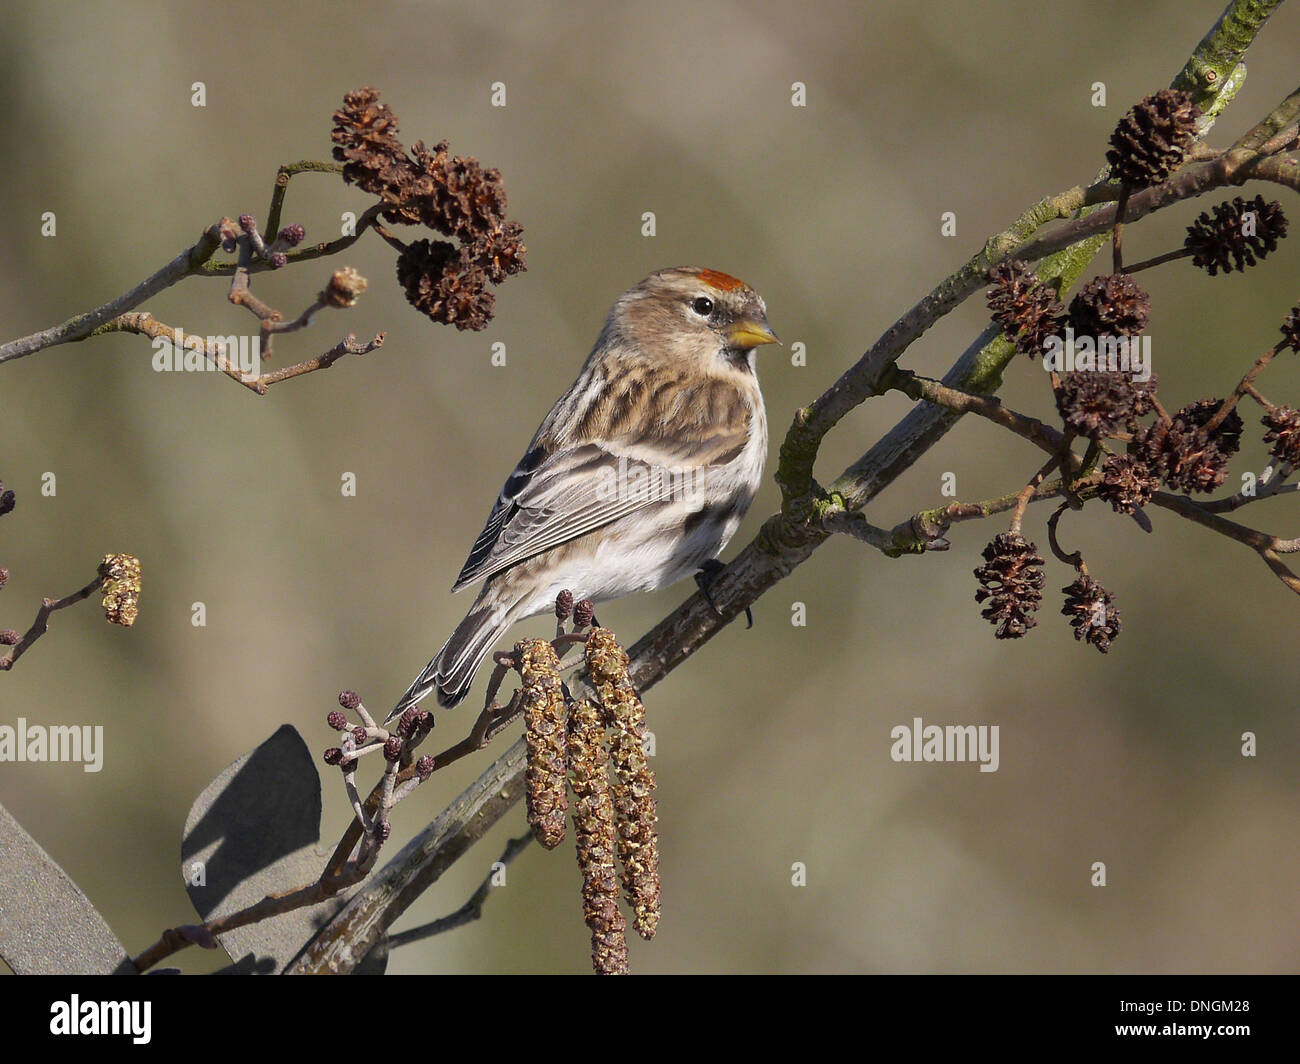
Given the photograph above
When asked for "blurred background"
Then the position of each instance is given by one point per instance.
(772, 744)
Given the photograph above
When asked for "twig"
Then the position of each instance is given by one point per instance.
(927, 530)
(869, 375)
(145, 324)
(1269, 486)
(349, 345)
(1245, 385)
(1192, 180)
(38, 627)
(1031, 489)
(1284, 141)
(1075, 559)
(1261, 136)
(1266, 546)
(472, 909)
(985, 406)
(1117, 234)
(302, 254)
(361, 923)
(83, 325)
(175, 939)
(282, 178)
(1158, 260)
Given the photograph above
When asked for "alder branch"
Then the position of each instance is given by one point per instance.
(1266, 546)
(785, 540)
(986, 406)
(1230, 169)
(40, 625)
(358, 927)
(194, 261)
(81, 326)
(928, 529)
(1271, 483)
(472, 909)
(215, 351)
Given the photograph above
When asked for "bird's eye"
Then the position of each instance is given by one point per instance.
(703, 306)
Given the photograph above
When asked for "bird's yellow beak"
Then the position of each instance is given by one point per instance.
(751, 332)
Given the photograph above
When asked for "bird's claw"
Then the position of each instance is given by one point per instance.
(704, 578)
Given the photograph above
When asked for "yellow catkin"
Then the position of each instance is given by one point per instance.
(634, 781)
(543, 705)
(593, 823)
(121, 587)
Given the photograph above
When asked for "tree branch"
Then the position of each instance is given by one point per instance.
(79, 327)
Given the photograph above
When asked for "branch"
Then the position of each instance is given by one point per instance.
(1266, 546)
(472, 909)
(869, 376)
(188, 262)
(175, 939)
(928, 529)
(38, 627)
(986, 406)
(322, 250)
(1213, 74)
(358, 927)
(1271, 483)
(1232, 168)
(118, 575)
(215, 351)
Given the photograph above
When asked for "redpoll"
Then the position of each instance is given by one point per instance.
(638, 476)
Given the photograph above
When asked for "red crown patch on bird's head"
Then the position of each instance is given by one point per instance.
(723, 282)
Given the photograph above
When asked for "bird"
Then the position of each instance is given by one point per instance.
(638, 476)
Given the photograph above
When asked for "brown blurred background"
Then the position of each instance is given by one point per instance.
(773, 744)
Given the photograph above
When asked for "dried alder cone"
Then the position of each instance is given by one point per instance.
(1152, 138)
(1103, 402)
(1026, 310)
(1187, 456)
(439, 282)
(1240, 233)
(451, 194)
(1092, 613)
(1127, 483)
(1012, 578)
(1111, 305)
(1283, 435)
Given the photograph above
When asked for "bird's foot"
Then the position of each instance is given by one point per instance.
(704, 579)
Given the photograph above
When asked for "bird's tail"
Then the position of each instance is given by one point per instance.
(451, 672)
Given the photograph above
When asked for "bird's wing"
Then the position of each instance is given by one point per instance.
(557, 495)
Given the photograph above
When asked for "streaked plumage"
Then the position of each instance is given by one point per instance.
(640, 473)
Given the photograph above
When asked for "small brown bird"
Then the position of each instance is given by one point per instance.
(638, 476)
